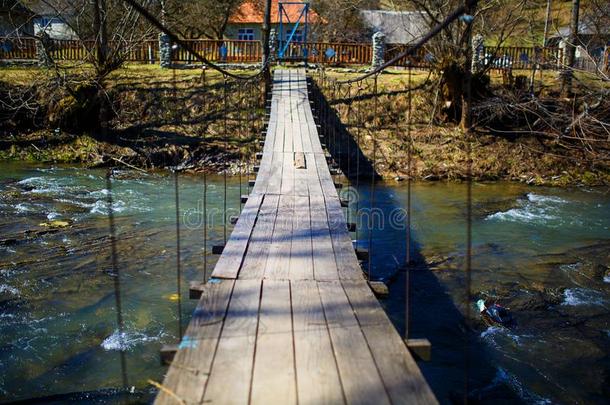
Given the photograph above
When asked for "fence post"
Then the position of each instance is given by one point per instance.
(165, 51)
(151, 58)
(378, 49)
(41, 50)
(477, 52)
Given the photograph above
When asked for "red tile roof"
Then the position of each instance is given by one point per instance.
(253, 12)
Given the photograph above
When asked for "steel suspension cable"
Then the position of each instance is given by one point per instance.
(331, 116)
(359, 124)
(409, 177)
(226, 143)
(374, 174)
(205, 211)
(178, 264)
(177, 205)
(239, 137)
(467, 83)
(349, 115)
(250, 135)
(116, 277)
(468, 292)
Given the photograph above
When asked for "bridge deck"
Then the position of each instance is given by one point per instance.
(288, 317)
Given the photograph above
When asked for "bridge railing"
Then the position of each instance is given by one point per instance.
(225, 50)
(238, 51)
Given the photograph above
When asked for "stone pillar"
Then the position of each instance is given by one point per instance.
(272, 43)
(165, 51)
(378, 49)
(42, 45)
(478, 53)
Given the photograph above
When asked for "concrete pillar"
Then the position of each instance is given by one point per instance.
(562, 48)
(165, 51)
(42, 45)
(378, 49)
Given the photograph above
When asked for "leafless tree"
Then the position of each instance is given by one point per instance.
(341, 20)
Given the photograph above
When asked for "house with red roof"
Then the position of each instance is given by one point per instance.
(247, 21)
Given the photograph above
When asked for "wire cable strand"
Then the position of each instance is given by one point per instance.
(178, 261)
(116, 276)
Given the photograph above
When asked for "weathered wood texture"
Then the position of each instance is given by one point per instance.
(288, 317)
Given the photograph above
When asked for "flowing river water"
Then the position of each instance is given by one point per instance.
(542, 252)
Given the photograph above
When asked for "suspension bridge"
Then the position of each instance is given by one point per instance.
(287, 315)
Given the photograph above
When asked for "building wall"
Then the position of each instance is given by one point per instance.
(54, 27)
(232, 30)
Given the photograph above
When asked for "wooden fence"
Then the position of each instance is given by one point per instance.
(236, 51)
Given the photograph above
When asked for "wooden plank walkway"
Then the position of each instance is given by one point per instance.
(287, 317)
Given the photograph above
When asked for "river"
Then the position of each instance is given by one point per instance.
(542, 252)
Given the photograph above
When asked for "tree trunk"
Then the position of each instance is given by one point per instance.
(571, 50)
(101, 32)
(546, 22)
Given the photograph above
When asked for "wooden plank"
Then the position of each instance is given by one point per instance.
(313, 132)
(301, 252)
(316, 371)
(278, 261)
(302, 177)
(280, 131)
(305, 136)
(258, 249)
(189, 371)
(313, 181)
(288, 173)
(359, 376)
(230, 261)
(347, 261)
(297, 137)
(325, 266)
(235, 353)
(274, 181)
(326, 181)
(401, 375)
(273, 380)
(289, 135)
(270, 137)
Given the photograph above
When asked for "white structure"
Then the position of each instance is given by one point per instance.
(398, 27)
(51, 16)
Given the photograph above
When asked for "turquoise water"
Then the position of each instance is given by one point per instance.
(59, 331)
(542, 252)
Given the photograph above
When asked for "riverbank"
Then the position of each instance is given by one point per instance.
(508, 142)
(160, 118)
(165, 118)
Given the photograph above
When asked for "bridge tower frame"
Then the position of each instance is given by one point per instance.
(303, 19)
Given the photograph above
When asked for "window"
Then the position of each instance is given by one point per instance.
(245, 34)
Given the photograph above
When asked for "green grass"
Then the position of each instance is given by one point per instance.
(131, 74)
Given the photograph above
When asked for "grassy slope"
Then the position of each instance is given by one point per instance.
(164, 111)
(440, 151)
